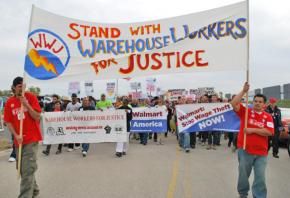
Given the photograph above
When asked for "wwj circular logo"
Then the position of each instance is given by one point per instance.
(47, 56)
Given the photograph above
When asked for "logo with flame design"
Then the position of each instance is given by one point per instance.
(48, 55)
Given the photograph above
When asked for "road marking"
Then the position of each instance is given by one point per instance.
(187, 175)
(175, 170)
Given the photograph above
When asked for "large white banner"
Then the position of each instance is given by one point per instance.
(207, 117)
(65, 49)
(84, 127)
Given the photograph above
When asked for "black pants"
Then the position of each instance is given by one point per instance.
(168, 124)
(231, 139)
(48, 147)
(204, 136)
(155, 136)
(219, 135)
(235, 141)
(192, 139)
(274, 142)
(72, 145)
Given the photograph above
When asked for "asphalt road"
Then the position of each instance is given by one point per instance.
(152, 171)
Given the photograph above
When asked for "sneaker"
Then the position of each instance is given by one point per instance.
(84, 153)
(187, 150)
(69, 150)
(36, 193)
(214, 147)
(276, 155)
(58, 152)
(203, 144)
(234, 149)
(124, 153)
(118, 154)
(45, 152)
(11, 159)
(208, 147)
(160, 142)
(77, 147)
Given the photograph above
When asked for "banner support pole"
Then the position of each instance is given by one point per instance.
(247, 74)
(22, 108)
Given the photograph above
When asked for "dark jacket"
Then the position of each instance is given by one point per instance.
(276, 115)
(49, 107)
(129, 116)
(87, 108)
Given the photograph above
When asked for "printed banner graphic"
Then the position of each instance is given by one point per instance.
(84, 127)
(149, 119)
(207, 117)
(65, 49)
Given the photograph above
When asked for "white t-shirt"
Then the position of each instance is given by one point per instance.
(73, 107)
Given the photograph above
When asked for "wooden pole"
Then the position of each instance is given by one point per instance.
(21, 108)
(248, 75)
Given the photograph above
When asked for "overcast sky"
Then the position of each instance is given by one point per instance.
(269, 38)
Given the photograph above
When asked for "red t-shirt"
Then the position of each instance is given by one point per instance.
(31, 127)
(255, 144)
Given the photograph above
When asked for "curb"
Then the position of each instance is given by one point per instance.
(5, 152)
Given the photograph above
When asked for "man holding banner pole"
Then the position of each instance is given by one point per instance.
(260, 126)
(31, 134)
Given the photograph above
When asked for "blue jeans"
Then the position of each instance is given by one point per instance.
(85, 146)
(13, 153)
(213, 137)
(246, 162)
(184, 140)
(143, 138)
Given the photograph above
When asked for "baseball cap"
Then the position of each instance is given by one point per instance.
(74, 95)
(18, 80)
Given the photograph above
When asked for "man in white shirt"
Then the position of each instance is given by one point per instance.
(74, 105)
